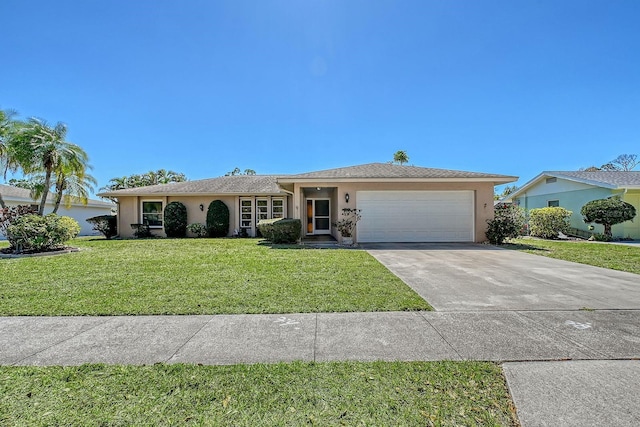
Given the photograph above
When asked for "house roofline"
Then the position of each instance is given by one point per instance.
(495, 180)
(552, 174)
(189, 194)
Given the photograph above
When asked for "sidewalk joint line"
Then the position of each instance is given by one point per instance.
(422, 314)
(190, 338)
(109, 318)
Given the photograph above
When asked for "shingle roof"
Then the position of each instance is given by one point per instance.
(238, 184)
(617, 179)
(11, 193)
(388, 170)
(606, 179)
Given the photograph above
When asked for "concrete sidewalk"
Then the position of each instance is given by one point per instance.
(547, 389)
(407, 336)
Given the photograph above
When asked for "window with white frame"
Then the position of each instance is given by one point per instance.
(262, 209)
(553, 203)
(246, 213)
(277, 208)
(152, 214)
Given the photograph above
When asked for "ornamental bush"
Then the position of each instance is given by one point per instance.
(281, 230)
(507, 223)
(200, 230)
(107, 225)
(608, 212)
(547, 223)
(35, 233)
(217, 219)
(175, 220)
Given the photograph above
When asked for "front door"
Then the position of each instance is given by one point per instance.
(318, 216)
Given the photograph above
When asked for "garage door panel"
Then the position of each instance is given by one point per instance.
(416, 216)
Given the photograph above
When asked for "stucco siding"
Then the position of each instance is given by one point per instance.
(559, 186)
(631, 228)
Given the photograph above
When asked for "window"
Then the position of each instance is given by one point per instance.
(262, 209)
(246, 213)
(551, 180)
(152, 214)
(277, 208)
(553, 203)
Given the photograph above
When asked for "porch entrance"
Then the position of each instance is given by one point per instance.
(318, 216)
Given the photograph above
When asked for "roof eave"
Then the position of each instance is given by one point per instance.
(495, 180)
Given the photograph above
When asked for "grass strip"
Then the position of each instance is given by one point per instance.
(294, 394)
(612, 256)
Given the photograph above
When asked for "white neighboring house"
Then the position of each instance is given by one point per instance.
(14, 196)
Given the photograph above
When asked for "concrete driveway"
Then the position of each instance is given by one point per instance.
(468, 277)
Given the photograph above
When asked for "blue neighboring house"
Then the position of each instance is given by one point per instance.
(572, 190)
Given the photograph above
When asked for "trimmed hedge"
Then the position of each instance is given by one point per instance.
(281, 230)
(107, 225)
(41, 233)
(548, 222)
(175, 220)
(217, 219)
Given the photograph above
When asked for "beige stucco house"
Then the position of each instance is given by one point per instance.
(398, 203)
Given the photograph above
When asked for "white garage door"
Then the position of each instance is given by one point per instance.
(416, 216)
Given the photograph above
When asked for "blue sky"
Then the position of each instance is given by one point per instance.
(200, 87)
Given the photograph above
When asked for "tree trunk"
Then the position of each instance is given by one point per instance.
(607, 230)
(59, 190)
(2, 205)
(45, 191)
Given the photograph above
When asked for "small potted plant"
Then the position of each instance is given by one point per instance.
(347, 224)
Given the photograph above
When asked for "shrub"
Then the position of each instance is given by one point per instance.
(608, 212)
(507, 223)
(347, 223)
(217, 219)
(175, 220)
(281, 230)
(107, 225)
(200, 230)
(10, 213)
(41, 233)
(548, 222)
(141, 231)
(598, 237)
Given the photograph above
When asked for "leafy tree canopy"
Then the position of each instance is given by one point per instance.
(160, 176)
(400, 157)
(237, 171)
(608, 212)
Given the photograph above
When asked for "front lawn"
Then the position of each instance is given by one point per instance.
(199, 276)
(324, 394)
(615, 257)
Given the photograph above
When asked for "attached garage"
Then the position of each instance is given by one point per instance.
(416, 216)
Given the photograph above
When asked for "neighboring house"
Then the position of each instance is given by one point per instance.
(398, 203)
(572, 190)
(14, 196)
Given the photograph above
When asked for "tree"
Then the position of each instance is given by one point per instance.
(507, 223)
(40, 148)
(160, 176)
(608, 212)
(623, 163)
(237, 171)
(8, 127)
(509, 189)
(401, 157)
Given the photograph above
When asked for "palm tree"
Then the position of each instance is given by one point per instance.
(43, 149)
(400, 157)
(7, 128)
(73, 188)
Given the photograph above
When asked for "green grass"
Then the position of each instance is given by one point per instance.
(295, 394)
(199, 276)
(615, 257)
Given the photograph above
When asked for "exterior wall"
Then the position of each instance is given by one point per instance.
(130, 211)
(630, 228)
(483, 198)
